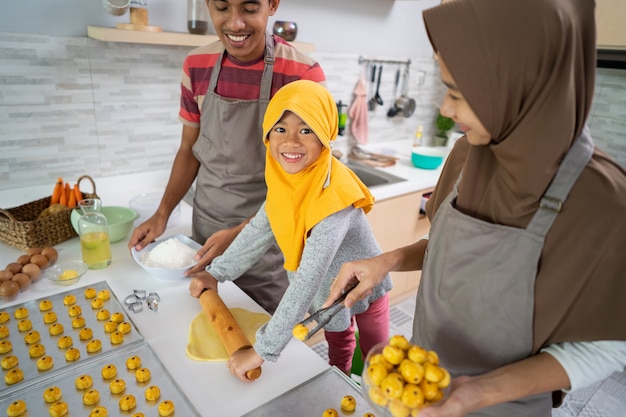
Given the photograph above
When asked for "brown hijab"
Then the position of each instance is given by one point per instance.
(527, 70)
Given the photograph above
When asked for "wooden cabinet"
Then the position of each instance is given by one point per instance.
(396, 222)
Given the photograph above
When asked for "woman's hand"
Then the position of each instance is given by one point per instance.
(200, 282)
(214, 246)
(242, 361)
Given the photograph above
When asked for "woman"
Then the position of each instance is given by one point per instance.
(522, 276)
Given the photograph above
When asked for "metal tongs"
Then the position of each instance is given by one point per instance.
(322, 316)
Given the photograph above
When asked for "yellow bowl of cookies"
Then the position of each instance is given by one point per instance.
(400, 378)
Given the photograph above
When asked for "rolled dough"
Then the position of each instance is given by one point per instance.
(204, 344)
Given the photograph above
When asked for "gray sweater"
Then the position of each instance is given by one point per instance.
(339, 238)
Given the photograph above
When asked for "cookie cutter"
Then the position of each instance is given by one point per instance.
(133, 303)
(153, 300)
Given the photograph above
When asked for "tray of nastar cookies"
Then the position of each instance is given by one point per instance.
(130, 381)
(45, 336)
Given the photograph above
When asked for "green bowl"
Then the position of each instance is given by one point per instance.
(428, 157)
(120, 220)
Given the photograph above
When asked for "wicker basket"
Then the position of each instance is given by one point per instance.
(20, 227)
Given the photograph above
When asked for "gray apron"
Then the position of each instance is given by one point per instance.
(230, 185)
(476, 297)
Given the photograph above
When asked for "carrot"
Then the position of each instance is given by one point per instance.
(56, 192)
(63, 198)
(79, 195)
(71, 202)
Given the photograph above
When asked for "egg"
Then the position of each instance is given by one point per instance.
(32, 270)
(41, 260)
(23, 259)
(22, 280)
(33, 251)
(50, 253)
(5, 275)
(14, 267)
(9, 289)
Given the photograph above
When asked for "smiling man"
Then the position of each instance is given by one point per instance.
(225, 89)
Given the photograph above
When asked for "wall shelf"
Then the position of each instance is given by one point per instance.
(164, 38)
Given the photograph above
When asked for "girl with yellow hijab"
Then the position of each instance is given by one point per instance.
(315, 210)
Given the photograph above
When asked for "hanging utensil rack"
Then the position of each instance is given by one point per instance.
(363, 60)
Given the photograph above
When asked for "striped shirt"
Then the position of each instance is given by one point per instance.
(239, 80)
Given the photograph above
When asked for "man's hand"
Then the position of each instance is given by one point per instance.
(147, 232)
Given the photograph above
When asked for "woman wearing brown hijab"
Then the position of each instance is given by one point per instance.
(523, 273)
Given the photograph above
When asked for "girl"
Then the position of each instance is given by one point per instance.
(315, 210)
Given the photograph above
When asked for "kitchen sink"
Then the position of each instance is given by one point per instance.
(371, 176)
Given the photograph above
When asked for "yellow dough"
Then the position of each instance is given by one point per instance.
(45, 305)
(90, 293)
(110, 326)
(4, 331)
(91, 397)
(44, 363)
(85, 334)
(117, 317)
(17, 408)
(58, 409)
(21, 313)
(37, 350)
(153, 393)
(52, 394)
(128, 402)
(99, 411)
(104, 295)
(4, 317)
(166, 408)
(5, 346)
(97, 303)
(94, 345)
(72, 354)
(138, 415)
(10, 361)
(78, 322)
(204, 344)
(83, 382)
(32, 337)
(124, 327)
(133, 362)
(14, 376)
(69, 300)
(75, 311)
(24, 325)
(117, 337)
(65, 342)
(142, 374)
(50, 317)
(55, 329)
(103, 314)
(117, 386)
(109, 371)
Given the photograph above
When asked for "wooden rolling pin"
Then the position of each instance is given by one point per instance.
(226, 327)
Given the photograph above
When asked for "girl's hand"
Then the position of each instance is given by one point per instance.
(242, 361)
(201, 281)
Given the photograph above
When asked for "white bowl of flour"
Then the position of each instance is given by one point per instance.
(167, 259)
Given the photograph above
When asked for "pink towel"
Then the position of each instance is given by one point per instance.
(358, 112)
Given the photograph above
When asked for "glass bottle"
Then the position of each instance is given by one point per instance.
(93, 229)
(197, 17)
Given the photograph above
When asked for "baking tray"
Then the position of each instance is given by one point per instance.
(313, 397)
(28, 365)
(66, 381)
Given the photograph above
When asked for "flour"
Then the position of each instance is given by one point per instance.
(171, 254)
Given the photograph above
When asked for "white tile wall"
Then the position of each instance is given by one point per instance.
(73, 105)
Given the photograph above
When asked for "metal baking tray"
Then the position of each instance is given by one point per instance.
(66, 381)
(28, 365)
(313, 397)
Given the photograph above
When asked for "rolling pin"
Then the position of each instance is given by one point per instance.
(226, 327)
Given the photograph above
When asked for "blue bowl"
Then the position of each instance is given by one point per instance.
(428, 157)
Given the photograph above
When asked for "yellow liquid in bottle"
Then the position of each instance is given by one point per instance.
(96, 249)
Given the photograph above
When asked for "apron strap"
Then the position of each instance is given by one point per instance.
(552, 201)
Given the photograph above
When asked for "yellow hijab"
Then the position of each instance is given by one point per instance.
(295, 203)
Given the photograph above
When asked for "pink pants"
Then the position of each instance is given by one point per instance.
(373, 326)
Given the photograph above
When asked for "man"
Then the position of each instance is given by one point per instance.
(225, 89)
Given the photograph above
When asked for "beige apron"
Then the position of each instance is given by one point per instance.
(230, 185)
(476, 297)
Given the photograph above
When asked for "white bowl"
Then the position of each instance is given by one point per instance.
(163, 273)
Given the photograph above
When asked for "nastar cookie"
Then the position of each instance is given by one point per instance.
(83, 382)
(69, 300)
(16, 408)
(52, 394)
(32, 337)
(45, 305)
